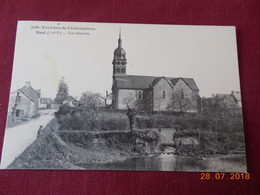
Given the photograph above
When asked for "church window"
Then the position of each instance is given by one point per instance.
(139, 95)
(163, 94)
(122, 70)
(182, 94)
(117, 69)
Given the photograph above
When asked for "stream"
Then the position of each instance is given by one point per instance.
(161, 162)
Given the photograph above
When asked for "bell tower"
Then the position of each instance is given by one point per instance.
(119, 61)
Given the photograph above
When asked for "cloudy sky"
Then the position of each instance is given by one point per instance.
(206, 53)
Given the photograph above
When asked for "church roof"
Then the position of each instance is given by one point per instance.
(119, 52)
(144, 82)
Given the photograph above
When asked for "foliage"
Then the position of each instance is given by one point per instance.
(93, 120)
(180, 102)
(62, 92)
(219, 128)
(91, 100)
(154, 121)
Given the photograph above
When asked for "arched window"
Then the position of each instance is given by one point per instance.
(182, 94)
(163, 94)
(139, 95)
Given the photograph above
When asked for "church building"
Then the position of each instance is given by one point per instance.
(150, 93)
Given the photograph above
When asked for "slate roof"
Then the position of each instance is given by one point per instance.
(30, 92)
(237, 95)
(144, 82)
(69, 98)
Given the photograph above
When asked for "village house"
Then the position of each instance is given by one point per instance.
(23, 104)
(151, 93)
(231, 101)
(45, 103)
(70, 101)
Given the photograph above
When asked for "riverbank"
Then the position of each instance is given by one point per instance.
(116, 150)
(65, 149)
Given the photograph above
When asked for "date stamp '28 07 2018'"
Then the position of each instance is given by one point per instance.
(224, 176)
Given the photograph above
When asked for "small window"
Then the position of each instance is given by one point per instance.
(163, 94)
(18, 99)
(17, 114)
(123, 63)
(122, 70)
(182, 94)
(118, 63)
(117, 69)
(139, 95)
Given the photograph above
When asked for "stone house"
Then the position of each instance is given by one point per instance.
(230, 101)
(45, 103)
(23, 103)
(151, 93)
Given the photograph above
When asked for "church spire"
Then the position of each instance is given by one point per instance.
(119, 61)
(119, 39)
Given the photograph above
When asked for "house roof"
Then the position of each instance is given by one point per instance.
(69, 98)
(109, 96)
(144, 82)
(237, 95)
(30, 92)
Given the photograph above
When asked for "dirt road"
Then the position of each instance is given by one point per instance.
(18, 138)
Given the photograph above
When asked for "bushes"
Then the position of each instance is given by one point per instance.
(91, 120)
(210, 142)
(154, 121)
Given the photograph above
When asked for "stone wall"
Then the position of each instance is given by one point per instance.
(188, 94)
(152, 99)
(138, 141)
(159, 103)
(129, 97)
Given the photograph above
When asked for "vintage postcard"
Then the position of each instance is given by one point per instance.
(104, 96)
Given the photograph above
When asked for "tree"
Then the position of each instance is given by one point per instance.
(180, 103)
(91, 100)
(62, 91)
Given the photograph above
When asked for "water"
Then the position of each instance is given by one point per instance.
(162, 162)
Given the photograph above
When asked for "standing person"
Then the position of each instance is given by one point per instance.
(131, 116)
(40, 131)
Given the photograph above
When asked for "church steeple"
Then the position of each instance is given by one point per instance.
(119, 61)
(120, 40)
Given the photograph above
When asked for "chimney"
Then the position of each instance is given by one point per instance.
(106, 93)
(232, 92)
(28, 84)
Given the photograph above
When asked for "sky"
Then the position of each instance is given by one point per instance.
(82, 53)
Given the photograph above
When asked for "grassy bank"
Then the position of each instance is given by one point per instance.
(63, 150)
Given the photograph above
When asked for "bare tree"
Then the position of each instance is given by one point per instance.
(91, 100)
(180, 103)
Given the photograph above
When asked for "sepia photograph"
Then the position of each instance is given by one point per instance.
(117, 96)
